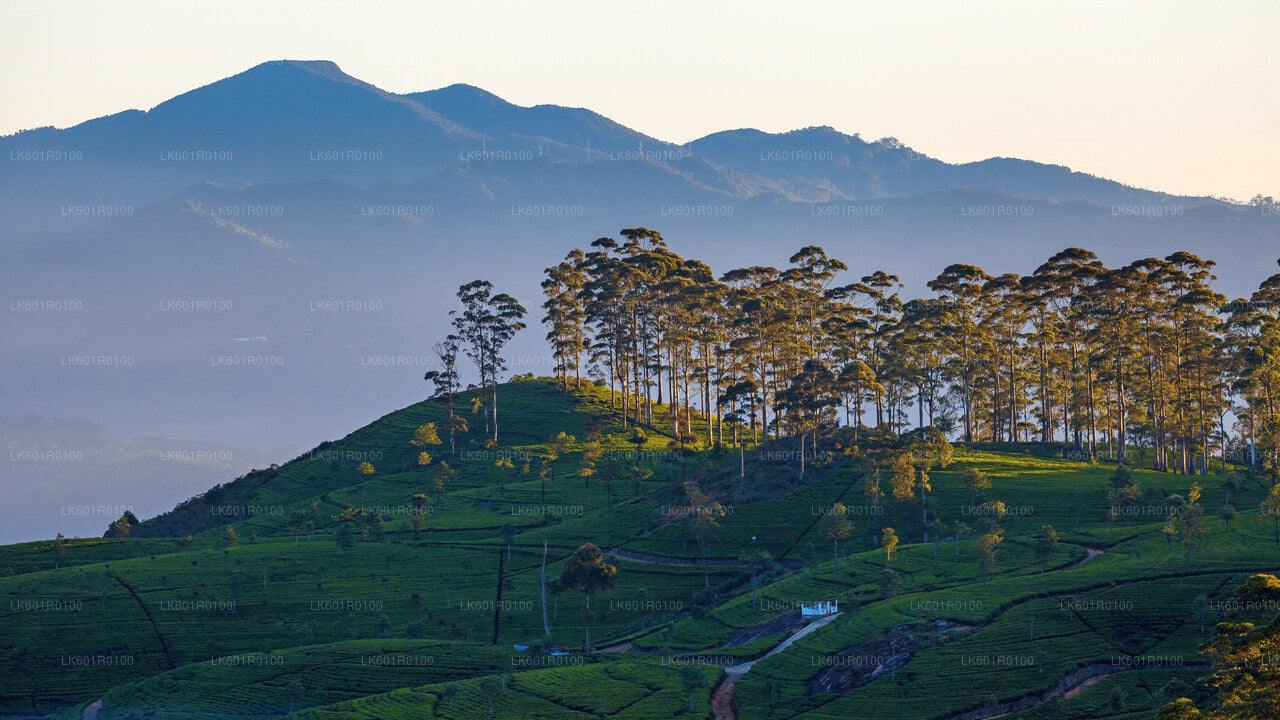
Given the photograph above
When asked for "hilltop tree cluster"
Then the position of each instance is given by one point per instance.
(1142, 358)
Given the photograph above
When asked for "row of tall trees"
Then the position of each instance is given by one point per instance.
(1144, 358)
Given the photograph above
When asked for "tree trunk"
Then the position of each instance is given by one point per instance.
(586, 617)
(546, 626)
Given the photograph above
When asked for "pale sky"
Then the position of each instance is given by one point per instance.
(1171, 95)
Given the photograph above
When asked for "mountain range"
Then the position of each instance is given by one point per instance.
(291, 121)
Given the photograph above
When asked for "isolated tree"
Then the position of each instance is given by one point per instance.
(889, 540)
(960, 530)
(936, 528)
(926, 448)
(756, 561)
(1190, 524)
(704, 512)
(313, 515)
(1231, 484)
(558, 446)
(235, 583)
(835, 526)
(692, 680)
(1046, 544)
(492, 689)
(986, 546)
(508, 532)
(976, 482)
(503, 464)
(610, 471)
(990, 517)
(449, 692)
(443, 475)
(587, 466)
(419, 503)
(59, 549)
(425, 435)
(903, 480)
(587, 572)
(1228, 513)
(1124, 493)
(298, 521)
(1170, 531)
(342, 534)
(369, 524)
(1077, 506)
(295, 691)
(890, 582)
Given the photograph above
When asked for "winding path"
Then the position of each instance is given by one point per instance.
(324, 498)
(723, 703)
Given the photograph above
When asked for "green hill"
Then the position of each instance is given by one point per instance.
(385, 619)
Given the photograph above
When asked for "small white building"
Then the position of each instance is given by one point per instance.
(818, 608)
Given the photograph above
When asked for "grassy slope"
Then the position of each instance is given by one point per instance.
(139, 599)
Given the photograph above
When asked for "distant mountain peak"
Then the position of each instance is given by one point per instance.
(326, 69)
(462, 93)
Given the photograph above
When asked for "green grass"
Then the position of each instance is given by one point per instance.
(274, 683)
(137, 622)
(617, 689)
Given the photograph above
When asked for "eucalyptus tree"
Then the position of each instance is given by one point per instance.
(960, 288)
(808, 401)
(446, 380)
(810, 277)
(918, 339)
(887, 308)
(1198, 323)
(740, 398)
(1059, 329)
(757, 317)
(1252, 345)
(566, 315)
(486, 323)
(1112, 339)
(1005, 321)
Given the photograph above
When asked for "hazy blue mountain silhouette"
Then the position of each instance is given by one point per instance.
(291, 121)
